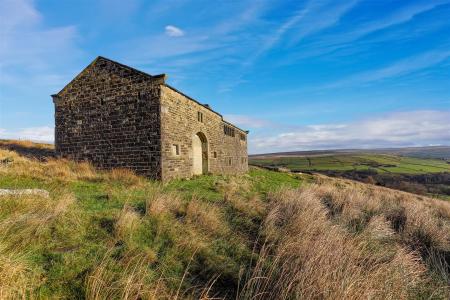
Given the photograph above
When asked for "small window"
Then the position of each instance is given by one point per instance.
(175, 149)
(242, 137)
(243, 160)
(200, 116)
(215, 154)
(228, 130)
(229, 161)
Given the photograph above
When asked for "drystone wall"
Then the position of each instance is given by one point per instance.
(180, 123)
(109, 115)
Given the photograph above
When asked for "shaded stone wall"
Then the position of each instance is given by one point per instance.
(179, 120)
(109, 115)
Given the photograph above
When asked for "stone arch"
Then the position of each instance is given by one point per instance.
(200, 154)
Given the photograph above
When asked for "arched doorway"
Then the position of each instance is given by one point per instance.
(200, 154)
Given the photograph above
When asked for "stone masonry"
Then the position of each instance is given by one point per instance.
(115, 116)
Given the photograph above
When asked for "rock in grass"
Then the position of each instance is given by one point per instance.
(21, 192)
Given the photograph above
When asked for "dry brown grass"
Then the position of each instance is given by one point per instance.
(126, 176)
(237, 192)
(26, 144)
(161, 203)
(18, 279)
(347, 242)
(126, 223)
(137, 282)
(28, 220)
(132, 283)
(30, 216)
(59, 169)
(63, 170)
(206, 216)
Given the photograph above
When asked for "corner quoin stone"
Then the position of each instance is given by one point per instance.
(115, 116)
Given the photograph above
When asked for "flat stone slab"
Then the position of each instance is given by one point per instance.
(20, 192)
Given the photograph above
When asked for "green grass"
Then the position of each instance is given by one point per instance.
(381, 163)
(72, 246)
(262, 182)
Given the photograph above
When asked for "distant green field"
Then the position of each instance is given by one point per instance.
(382, 163)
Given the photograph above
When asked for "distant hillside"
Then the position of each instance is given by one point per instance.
(262, 235)
(420, 174)
(437, 152)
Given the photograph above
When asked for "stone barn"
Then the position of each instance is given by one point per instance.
(115, 116)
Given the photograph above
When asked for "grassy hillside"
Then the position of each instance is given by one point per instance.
(417, 175)
(436, 152)
(381, 163)
(263, 235)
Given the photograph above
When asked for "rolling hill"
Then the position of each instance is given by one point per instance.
(437, 152)
(425, 176)
(263, 235)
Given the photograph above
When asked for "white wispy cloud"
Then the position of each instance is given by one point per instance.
(36, 134)
(337, 40)
(220, 42)
(322, 15)
(173, 31)
(398, 129)
(399, 68)
(30, 50)
(247, 121)
(314, 17)
(404, 15)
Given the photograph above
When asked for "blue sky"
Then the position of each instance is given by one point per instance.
(299, 75)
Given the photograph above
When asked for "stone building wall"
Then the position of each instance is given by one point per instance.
(179, 124)
(109, 115)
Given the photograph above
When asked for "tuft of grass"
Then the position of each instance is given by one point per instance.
(19, 278)
(127, 222)
(161, 203)
(125, 176)
(206, 216)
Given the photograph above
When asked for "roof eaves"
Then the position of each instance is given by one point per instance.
(160, 76)
(205, 106)
(128, 67)
(78, 75)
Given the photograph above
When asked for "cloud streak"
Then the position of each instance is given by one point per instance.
(399, 68)
(338, 40)
(36, 134)
(314, 17)
(28, 49)
(173, 31)
(414, 128)
(248, 122)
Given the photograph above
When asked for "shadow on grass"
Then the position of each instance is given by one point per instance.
(29, 149)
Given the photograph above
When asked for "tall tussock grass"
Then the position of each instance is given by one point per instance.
(18, 278)
(63, 170)
(29, 218)
(25, 223)
(329, 242)
(105, 282)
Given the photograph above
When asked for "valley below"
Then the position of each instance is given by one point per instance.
(424, 171)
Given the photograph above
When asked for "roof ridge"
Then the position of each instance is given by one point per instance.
(130, 68)
(116, 63)
(205, 106)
